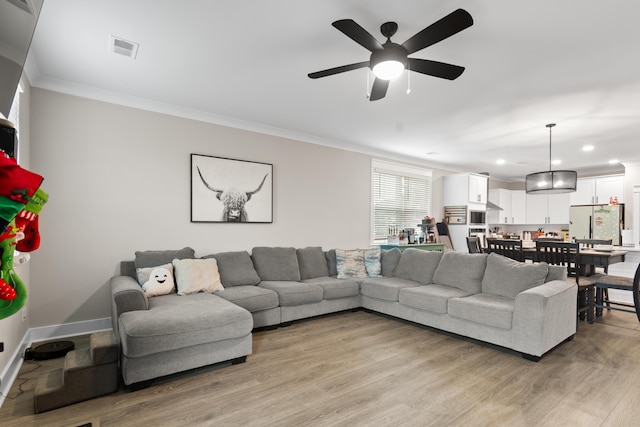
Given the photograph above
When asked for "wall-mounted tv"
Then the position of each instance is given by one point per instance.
(17, 23)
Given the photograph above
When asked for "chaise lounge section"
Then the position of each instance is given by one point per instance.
(529, 308)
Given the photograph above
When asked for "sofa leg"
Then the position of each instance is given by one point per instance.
(531, 357)
(285, 324)
(238, 360)
(140, 385)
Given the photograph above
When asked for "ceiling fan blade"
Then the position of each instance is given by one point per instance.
(451, 24)
(337, 70)
(379, 89)
(358, 34)
(435, 68)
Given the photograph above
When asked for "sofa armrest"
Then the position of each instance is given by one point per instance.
(126, 295)
(544, 316)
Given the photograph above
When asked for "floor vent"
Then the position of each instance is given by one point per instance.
(123, 47)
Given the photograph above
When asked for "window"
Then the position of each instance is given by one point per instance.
(401, 197)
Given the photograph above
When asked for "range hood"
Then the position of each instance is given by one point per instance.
(492, 206)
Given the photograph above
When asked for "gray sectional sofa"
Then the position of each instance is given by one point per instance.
(529, 308)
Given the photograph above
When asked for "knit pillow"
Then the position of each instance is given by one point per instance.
(197, 275)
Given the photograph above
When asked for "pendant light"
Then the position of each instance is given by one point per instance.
(551, 182)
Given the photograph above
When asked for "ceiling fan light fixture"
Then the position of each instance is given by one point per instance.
(551, 181)
(388, 70)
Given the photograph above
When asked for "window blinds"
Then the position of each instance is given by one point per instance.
(399, 200)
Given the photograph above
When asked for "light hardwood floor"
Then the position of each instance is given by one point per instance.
(365, 369)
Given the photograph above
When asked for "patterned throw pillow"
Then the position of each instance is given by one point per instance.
(350, 264)
(372, 262)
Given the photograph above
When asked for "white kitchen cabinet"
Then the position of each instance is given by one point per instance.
(591, 191)
(519, 207)
(465, 188)
(513, 207)
(547, 209)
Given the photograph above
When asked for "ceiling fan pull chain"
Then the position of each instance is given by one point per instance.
(408, 79)
(368, 86)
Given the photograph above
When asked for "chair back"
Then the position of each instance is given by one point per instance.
(560, 253)
(590, 243)
(473, 244)
(510, 248)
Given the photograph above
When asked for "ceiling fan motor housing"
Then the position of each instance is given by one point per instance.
(391, 52)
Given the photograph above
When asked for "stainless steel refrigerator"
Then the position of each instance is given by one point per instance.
(597, 222)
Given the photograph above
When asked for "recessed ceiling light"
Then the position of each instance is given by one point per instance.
(614, 161)
(588, 148)
(500, 162)
(432, 153)
(556, 162)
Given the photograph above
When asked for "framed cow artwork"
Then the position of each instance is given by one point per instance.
(230, 190)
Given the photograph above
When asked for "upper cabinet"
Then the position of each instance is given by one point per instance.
(512, 203)
(548, 209)
(593, 191)
(464, 188)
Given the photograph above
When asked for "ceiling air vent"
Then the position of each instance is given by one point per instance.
(123, 47)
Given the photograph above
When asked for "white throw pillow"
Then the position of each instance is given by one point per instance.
(197, 275)
(156, 280)
(350, 264)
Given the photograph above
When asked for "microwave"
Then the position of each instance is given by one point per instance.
(477, 217)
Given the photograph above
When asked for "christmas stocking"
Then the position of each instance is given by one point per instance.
(27, 221)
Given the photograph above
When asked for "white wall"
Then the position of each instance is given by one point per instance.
(118, 180)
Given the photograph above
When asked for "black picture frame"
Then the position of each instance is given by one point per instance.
(230, 190)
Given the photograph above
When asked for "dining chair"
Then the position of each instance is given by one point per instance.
(473, 244)
(591, 244)
(568, 254)
(510, 248)
(606, 282)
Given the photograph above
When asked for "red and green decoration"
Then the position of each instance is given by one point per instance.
(21, 200)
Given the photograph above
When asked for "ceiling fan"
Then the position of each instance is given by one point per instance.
(389, 59)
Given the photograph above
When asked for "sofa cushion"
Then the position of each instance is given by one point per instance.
(312, 263)
(156, 280)
(197, 275)
(330, 256)
(350, 264)
(389, 260)
(155, 258)
(294, 293)
(250, 297)
(195, 319)
(417, 265)
(276, 264)
(485, 309)
(385, 288)
(236, 268)
(507, 277)
(334, 288)
(461, 270)
(433, 298)
(372, 261)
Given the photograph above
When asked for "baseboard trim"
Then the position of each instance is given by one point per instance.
(42, 334)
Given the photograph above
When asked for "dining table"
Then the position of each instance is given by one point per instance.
(589, 258)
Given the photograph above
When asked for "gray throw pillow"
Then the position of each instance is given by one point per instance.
(155, 258)
(461, 270)
(332, 263)
(389, 260)
(274, 263)
(507, 277)
(236, 268)
(312, 263)
(417, 265)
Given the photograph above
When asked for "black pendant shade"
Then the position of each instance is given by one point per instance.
(551, 182)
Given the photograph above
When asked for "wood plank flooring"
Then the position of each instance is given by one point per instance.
(365, 369)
